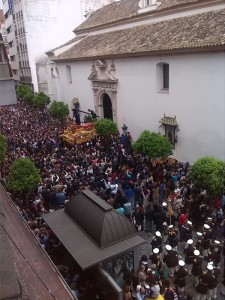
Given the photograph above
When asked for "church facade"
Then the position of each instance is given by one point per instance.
(156, 65)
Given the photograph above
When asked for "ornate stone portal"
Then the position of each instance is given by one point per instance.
(104, 82)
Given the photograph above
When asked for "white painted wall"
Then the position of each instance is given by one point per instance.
(48, 24)
(196, 97)
(80, 87)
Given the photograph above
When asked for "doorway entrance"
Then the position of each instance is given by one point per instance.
(107, 107)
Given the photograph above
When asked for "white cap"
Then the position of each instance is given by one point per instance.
(196, 252)
(164, 204)
(199, 233)
(168, 247)
(206, 226)
(156, 250)
(217, 242)
(190, 242)
(209, 267)
(164, 223)
(181, 263)
(138, 288)
(144, 262)
(146, 286)
(210, 263)
(210, 219)
(189, 222)
(156, 290)
(158, 233)
(171, 226)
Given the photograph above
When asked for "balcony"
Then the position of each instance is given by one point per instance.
(9, 21)
(14, 65)
(12, 51)
(11, 36)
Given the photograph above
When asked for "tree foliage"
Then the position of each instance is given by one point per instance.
(23, 176)
(41, 100)
(208, 173)
(105, 128)
(153, 144)
(22, 90)
(2, 148)
(38, 100)
(59, 109)
(28, 97)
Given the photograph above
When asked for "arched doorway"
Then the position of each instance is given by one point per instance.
(107, 107)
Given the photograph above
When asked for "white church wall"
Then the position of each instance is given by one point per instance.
(80, 87)
(196, 97)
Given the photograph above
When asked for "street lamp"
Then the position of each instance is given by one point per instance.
(124, 128)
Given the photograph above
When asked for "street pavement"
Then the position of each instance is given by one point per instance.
(146, 249)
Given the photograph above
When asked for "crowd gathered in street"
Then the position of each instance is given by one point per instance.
(157, 196)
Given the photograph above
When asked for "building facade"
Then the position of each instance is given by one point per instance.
(7, 86)
(152, 65)
(3, 29)
(32, 28)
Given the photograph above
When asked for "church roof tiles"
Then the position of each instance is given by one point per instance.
(185, 33)
(125, 9)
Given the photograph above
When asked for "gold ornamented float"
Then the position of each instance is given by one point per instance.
(78, 133)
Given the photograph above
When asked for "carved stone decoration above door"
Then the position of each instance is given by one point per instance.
(104, 81)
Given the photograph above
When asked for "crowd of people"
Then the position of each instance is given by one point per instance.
(158, 197)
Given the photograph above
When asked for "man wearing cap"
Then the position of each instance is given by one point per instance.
(212, 291)
(171, 259)
(180, 276)
(215, 252)
(188, 228)
(206, 239)
(203, 284)
(189, 251)
(154, 257)
(172, 237)
(157, 241)
(165, 231)
(199, 242)
(212, 226)
(197, 265)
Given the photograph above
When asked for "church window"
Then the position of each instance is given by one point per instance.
(166, 76)
(162, 77)
(69, 74)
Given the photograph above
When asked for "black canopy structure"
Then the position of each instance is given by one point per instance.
(91, 230)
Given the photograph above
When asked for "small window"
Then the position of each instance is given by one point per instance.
(162, 77)
(69, 74)
(166, 76)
